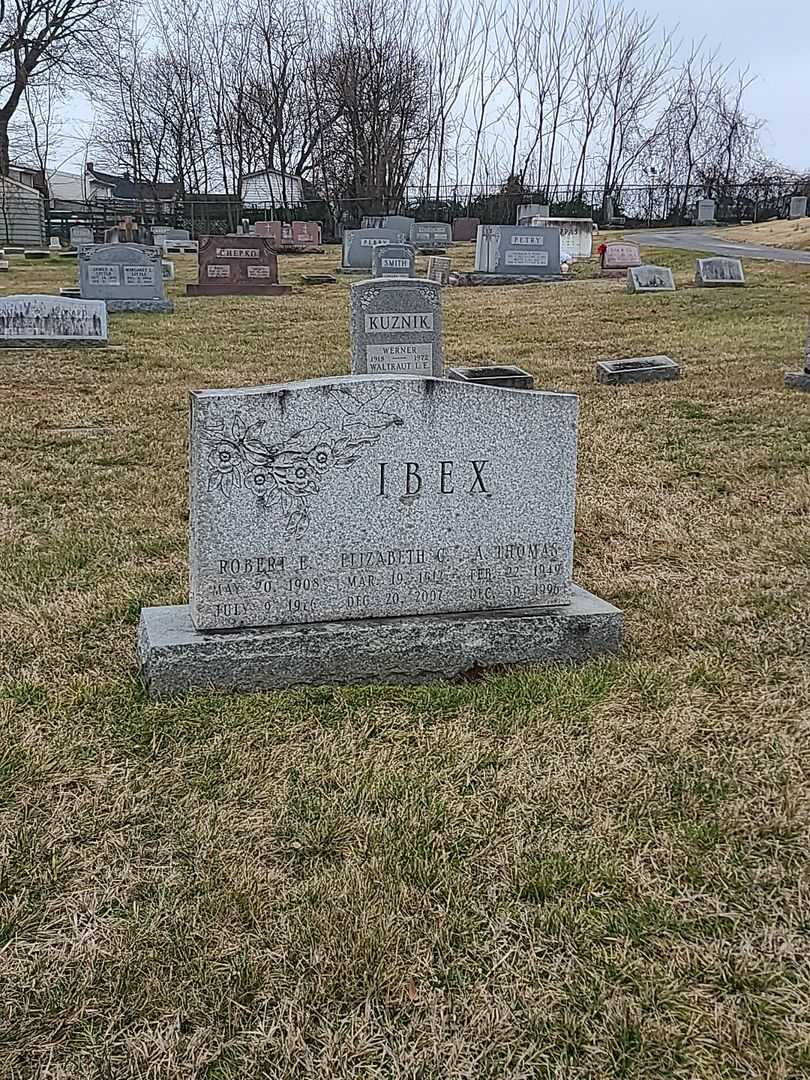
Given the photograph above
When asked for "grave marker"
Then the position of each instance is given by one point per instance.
(798, 207)
(438, 269)
(431, 235)
(619, 256)
(640, 369)
(465, 228)
(393, 260)
(650, 279)
(237, 266)
(396, 327)
(51, 321)
(125, 276)
(80, 236)
(524, 251)
(706, 210)
(359, 244)
(718, 271)
(800, 380)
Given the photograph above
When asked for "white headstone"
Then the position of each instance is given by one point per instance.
(718, 271)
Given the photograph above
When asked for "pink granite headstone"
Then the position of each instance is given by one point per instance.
(620, 256)
(271, 230)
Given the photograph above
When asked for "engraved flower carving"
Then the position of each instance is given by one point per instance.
(292, 471)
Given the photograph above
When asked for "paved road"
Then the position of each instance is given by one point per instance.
(693, 239)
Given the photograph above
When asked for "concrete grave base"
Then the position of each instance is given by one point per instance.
(175, 658)
(211, 289)
(797, 380)
(145, 307)
(479, 278)
(639, 369)
(507, 376)
(319, 279)
(35, 254)
(364, 270)
(71, 291)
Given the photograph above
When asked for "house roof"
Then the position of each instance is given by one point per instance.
(124, 188)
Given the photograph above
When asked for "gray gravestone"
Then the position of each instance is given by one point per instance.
(719, 271)
(393, 260)
(51, 320)
(125, 276)
(359, 244)
(399, 223)
(80, 236)
(178, 240)
(798, 207)
(640, 369)
(375, 529)
(396, 327)
(435, 235)
(438, 269)
(650, 279)
(372, 221)
(527, 211)
(706, 209)
(525, 251)
(507, 376)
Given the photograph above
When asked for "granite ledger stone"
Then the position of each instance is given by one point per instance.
(126, 277)
(36, 320)
(393, 260)
(396, 327)
(363, 497)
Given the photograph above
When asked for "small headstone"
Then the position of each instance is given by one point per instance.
(55, 243)
(51, 320)
(718, 271)
(527, 211)
(431, 235)
(393, 260)
(798, 207)
(438, 269)
(647, 279)
(359, 244)
(619, 256)
(706, 210)
(506, 376)
(178, 241)
(465, 228)
(237, 265)
(306, 235)
(3, 266)
(271, 230)
(126, 277)
(80, 235)
(640, 369)
(608, 211)
(400, 223)
(396, 327)
(525, 251)
(167, 269)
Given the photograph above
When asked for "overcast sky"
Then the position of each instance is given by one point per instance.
(772, 37)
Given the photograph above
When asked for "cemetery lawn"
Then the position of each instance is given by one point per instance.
(570, 874)
(787, 234)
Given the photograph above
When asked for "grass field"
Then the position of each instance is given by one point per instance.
(786, 234)
(569, 874)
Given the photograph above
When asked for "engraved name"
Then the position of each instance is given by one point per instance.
(407, 323)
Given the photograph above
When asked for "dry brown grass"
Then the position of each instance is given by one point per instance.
(568, 874)
(785, 234)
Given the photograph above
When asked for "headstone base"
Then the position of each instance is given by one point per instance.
(145, 307)
(479, 278)
(211, 289)
(430, 250)
(506, 376)
(300, 249)
(175, 658)
(73, 292)
(319, 279)
(640, 369)
(798, 380)
(72, 253)
(364, 270)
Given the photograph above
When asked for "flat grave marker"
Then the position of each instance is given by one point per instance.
(640, 369)
(718, 271)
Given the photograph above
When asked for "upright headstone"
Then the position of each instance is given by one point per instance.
(576, 235)
(431, 235)
(400, 223)
(167, 269)
(608, 211)
(798, 207)
(465, 228)
(80, 236)
(359, 244)
(236, 265)
(35, 321)
(159, 234)
(618, 256)
(126, 277)
(719, 271)
(438, 269)
(706, 210)
(393, 260)
(178, 241)
(373, 221)
(396, 327)
(55, 243)
(526, 211)
(270, 230)
(650, 279)
(375, 528)
(306, 235)
(525, 251)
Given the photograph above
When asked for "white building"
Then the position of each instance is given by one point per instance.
(269, 188)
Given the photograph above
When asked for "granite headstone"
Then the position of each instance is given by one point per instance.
(525, 251)
(706, 210)
(798, 207)
(438, 269)
(650, 279)
(126, 277)
(396, 327)
(618, 256)
(237, 266)
(38, 320)
(393, 260)
(431, 235)
(719, 271)
(465, 228)
(359, 244)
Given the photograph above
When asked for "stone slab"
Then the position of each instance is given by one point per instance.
(36, 321)
(368, 496)
(393, 260)
(507, 376)
(797, 380)
(123, 274)
(319, 279)
(359, 244)
(465, 228)
(650, 279)
(236, 265)
(36, 254)
(396, 327)
(435, 236)
(619, 255)
(719, 271)
(141, 307)
(639, 369)
(472, 278)
(175, 658)
(438, 269)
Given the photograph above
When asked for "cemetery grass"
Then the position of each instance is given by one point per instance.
(565, 873)
(787, 234)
